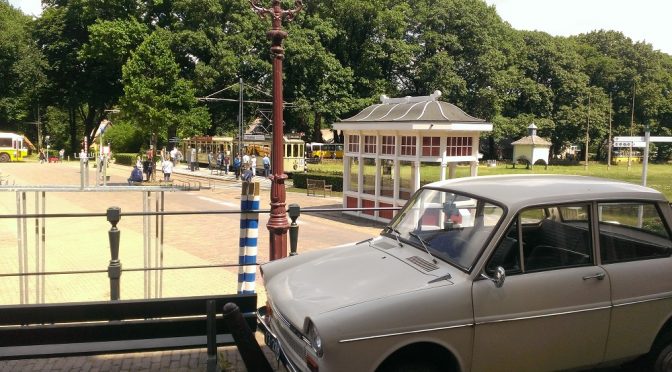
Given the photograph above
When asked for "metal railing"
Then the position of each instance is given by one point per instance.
(114, 268)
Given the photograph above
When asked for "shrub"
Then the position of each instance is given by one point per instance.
(336, 181)
(125, 159)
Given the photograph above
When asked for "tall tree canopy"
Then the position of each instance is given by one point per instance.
(341, 55)
(156, 99)
(21, 64)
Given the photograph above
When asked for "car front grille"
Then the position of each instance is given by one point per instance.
(290, 337)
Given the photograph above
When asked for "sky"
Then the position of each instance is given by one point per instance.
(640, 20)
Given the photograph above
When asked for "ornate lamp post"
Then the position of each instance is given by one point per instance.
(278, 223)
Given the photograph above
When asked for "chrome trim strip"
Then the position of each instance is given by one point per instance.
(405, 333)
(545, 315)
(644, 301)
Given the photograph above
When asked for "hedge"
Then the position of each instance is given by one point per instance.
(336, 181)
(125, 159)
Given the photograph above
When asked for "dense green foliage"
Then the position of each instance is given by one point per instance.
(151, 59)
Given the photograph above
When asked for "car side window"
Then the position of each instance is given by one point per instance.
(632, 231)
(558, 240)
(507, 253)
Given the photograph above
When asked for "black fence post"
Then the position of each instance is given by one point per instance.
(114, 268)
(294, 212)
(249, 349)
(211, 332)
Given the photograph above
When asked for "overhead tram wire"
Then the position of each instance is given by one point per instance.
(212, 99)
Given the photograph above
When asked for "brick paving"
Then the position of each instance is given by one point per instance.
(192, 240)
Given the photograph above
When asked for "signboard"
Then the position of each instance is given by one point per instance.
(174, 140)
(254, 137)
(629, 143)
(641, 139)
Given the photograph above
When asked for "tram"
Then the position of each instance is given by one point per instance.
(258, 144)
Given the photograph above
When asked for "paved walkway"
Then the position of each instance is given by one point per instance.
(84, 245)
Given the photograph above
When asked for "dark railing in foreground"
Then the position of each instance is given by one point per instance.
(115, 326)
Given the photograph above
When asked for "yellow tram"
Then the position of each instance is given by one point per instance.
(258, 145)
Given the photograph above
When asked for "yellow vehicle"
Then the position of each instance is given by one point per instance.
(325, 151)
(261, 145)
(206, 145)
(258, 145)
(12, 147)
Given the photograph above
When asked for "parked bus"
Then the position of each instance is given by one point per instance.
(12, 147)
(317, 151)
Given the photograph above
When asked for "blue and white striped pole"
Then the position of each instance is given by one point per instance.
(249, 234)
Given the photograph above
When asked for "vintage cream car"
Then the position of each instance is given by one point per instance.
(502, 273)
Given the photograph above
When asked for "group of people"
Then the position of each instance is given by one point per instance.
(44, 157)
(143, 171)
(244, 166)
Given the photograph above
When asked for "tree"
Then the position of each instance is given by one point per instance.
(21, 66)
(156, 99)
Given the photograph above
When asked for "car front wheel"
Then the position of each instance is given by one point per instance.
(663, 362)
(659, 358)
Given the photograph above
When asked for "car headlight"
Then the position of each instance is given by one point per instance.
(313, 337)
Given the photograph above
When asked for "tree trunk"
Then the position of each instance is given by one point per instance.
(172, 132)
(317, 128)
(74, 141)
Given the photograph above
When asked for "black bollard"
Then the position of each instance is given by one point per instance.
(294, 212)
(114, 268)
(249, 349)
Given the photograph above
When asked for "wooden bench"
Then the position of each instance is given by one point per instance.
(86, 328)
(313, 186)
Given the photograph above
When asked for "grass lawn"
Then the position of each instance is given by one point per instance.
(659, 175)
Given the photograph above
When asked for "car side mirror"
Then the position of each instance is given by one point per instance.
(498, 278)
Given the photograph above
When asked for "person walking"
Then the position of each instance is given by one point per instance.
(167, 167)
(227, 161)
(193, 159)
(267, 165)
(246, 161)
(61, 155)
(173, 155)
(253, 165)
(42, 156)
(236, 166)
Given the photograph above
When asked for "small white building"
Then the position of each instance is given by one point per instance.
(388, 145)
(531, 149)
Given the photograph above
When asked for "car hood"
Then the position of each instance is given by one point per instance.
(323, 281)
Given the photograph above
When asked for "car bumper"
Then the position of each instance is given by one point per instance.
(271, 340)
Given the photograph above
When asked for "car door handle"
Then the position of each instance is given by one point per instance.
(598, 276)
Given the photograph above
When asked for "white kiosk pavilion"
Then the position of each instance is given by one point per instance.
(531, 149)
(393, 147)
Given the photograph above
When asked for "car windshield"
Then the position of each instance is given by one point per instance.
(452, 227)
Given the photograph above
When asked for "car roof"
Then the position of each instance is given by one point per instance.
(518, 191)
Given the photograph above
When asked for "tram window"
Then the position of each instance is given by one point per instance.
(296, 150)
